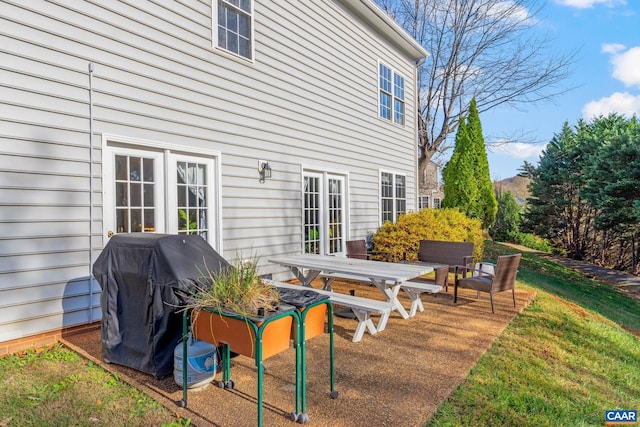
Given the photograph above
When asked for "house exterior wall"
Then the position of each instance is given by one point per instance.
(307, 101)
(430, 192)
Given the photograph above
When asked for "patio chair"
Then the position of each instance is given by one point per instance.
(357, 249)
(450, 254)
(503, 279)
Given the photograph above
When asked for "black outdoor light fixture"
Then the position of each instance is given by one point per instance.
(264, 170)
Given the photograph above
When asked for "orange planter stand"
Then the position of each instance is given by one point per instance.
(312, 319)
(261, 339)
(256, 338)
(219, 329)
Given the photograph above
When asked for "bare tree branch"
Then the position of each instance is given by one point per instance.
(492, 50)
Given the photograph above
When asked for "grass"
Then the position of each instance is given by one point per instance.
(58, 387)
(562, 362)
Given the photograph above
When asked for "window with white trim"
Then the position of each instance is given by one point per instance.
(391, 95)
(436, 203)
(393, 196)
(423, 202)
(233, 30)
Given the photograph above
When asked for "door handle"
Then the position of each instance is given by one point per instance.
(109, 233)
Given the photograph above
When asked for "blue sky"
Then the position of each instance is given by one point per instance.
(606, 36)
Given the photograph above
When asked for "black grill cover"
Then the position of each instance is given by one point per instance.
(144, 279)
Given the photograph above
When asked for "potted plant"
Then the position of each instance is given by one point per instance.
(232, 304)
(238, 311)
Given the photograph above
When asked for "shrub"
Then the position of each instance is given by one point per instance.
(401, 240)
(531, 241)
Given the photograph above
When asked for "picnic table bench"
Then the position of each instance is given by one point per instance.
(361, 307)
(411, 287)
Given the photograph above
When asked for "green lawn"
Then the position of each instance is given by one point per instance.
(562, 362)
(57, 387)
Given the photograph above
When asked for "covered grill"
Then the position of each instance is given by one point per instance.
(144, 278)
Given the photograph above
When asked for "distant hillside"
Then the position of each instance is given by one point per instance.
(517, 185)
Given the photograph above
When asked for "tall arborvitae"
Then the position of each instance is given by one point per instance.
(460, 189)
(486, 205)
(467, 184)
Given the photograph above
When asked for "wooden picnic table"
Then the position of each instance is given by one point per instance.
(388, 277)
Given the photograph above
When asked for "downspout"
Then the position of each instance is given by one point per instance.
(419, 62)
(91, 278)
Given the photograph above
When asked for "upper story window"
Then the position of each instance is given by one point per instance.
(234, 28)
(393, 196)
(391, 88)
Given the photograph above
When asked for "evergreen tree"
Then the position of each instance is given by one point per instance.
(555, 209)
(460, 189)
(486, 205)
(467, 184)
(612, 185)
(507, 220)
(585, 195)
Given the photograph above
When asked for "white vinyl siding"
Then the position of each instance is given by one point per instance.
(307, 97)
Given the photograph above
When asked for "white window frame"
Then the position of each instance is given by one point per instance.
(172, 179)
(396, 94)
(394, 198)
(214, 27)
(109, 179)
(423, 202)
(167, 155)
(324, 176)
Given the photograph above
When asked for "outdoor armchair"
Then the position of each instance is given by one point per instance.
(503, 278)
(452, 256)
(358, 249)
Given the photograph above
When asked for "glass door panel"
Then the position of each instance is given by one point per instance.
(312, 226)
(324, 213)
(135, 187)
(336, 215)
(192, 190)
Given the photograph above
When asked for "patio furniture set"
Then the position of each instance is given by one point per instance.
(129, 264)
(389, 278)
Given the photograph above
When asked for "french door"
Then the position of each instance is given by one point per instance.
(324, 213)
(148, 190)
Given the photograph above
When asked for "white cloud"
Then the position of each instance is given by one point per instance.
(612, 48)
(509, 8)
(520, 150)
(619, 102)
(586, 4)
(625, 66)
